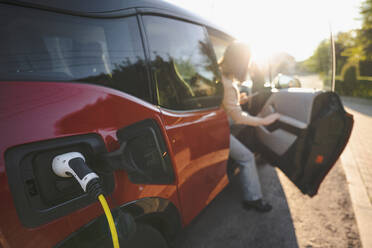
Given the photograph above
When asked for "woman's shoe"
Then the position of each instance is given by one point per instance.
(258, 205)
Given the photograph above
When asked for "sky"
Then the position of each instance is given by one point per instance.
(292, 26)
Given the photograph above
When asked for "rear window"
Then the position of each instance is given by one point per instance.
(183, 63)
(44, 46)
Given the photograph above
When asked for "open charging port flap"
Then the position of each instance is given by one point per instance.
(39, 195)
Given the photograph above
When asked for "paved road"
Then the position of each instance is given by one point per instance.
(327, 220)
(361, 138)
(311, 81)
(356, 161)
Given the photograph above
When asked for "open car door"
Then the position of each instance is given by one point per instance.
(309, 137)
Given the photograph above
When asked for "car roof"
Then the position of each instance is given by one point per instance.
(99, 6)
(111, 8)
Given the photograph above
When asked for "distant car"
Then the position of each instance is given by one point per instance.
(284, 81)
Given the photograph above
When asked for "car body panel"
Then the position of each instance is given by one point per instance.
(200, 147)
(52, 110)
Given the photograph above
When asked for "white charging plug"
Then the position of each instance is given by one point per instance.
(73, 164)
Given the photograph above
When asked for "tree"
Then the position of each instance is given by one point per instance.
(365, 33)
(347, 49)
(319, 62)
(352, 48)
(350, 80)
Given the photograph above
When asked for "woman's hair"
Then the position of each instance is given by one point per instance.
(235, 61)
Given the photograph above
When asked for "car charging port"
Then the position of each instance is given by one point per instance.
(53, 189)
(73, 164)
(40, 195)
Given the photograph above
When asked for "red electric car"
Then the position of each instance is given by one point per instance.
(134, 86)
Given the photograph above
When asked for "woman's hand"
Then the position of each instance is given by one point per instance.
(244, 98)
(270, 119)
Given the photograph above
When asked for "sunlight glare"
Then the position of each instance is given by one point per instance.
(270, 26)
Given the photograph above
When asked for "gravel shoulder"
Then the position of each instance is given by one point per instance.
(327, 220)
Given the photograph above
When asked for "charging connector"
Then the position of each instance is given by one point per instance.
(73, 164)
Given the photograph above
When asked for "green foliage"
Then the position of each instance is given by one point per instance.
(351, 86)
(361, 88)
(351, 74)
(365, 68)
(347, 50)
(350, 80)
(319, 62)
(353, 58)
(365, 34)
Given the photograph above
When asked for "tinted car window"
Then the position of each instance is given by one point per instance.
(46, 46)
(183, 64)
(219, 42)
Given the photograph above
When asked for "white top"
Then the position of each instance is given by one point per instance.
(231, 104)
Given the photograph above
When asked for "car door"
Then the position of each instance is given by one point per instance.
(81, 86)
(189, 95)
(308, 138)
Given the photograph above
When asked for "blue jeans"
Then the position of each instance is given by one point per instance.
(249, 180)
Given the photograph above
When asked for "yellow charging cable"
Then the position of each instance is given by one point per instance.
(110, 220)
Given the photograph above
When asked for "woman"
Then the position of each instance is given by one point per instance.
(234, 67)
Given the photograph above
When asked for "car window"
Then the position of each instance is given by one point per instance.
(46, 46)
(219, 42)
(183, 64)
